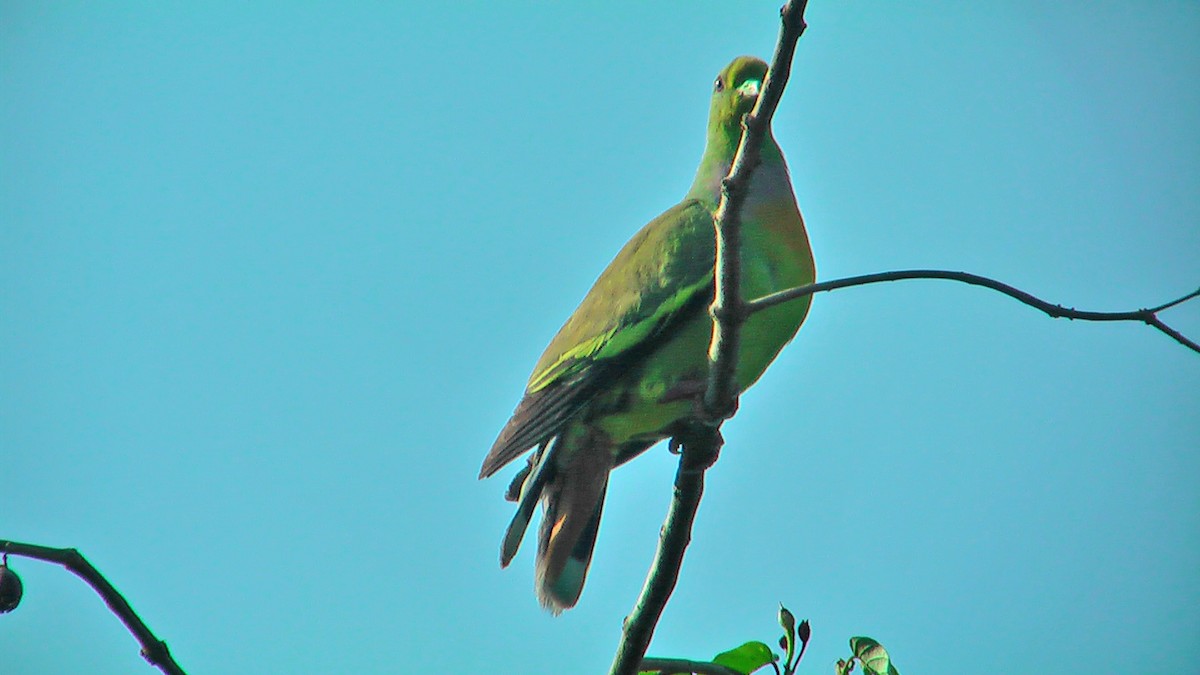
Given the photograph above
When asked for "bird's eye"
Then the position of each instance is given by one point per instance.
(718, 86)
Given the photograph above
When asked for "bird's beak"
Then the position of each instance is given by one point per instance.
(750, 88)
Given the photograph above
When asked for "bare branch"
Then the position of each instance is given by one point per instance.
(702, 442)
(1147, 316)
(153, 650)
(728, 308)
(684, 667)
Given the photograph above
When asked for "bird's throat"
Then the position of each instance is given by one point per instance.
(769, 176)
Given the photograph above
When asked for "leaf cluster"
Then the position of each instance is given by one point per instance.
(750, 657)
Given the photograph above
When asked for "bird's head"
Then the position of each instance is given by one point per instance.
(735, 92)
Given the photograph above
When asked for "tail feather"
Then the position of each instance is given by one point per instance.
(574, 497)
(532, 481)
(564, 591)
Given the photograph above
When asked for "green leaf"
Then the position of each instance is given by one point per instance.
(873, 656)
(747, 658)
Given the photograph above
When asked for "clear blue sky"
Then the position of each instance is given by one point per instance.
(272, 276)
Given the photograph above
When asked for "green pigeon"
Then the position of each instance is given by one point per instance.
(630, 366)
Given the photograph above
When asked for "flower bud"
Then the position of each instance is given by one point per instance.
(787, 620)
(804, 631)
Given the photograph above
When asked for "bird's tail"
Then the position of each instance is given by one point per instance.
(574, 499)
(569, 477)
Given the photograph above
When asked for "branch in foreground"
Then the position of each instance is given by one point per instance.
(702, 443)
(1148, 316)
(728, 309)
(153, 650)
(678, 666)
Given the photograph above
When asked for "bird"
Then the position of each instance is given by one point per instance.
(629, 367)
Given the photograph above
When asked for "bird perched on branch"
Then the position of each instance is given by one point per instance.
(630, 366)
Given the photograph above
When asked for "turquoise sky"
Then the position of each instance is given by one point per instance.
(272, 276)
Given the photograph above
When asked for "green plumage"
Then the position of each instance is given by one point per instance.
(631, 362)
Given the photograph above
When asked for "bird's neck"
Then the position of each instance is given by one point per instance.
(718, 158)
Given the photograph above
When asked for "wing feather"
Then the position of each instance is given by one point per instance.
(664, 272)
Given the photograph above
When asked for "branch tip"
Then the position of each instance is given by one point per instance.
(152, 649)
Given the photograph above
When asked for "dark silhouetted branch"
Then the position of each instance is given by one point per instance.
(153, 650)
(1148, 316)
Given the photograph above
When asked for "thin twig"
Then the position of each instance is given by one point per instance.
(1147, 316)
(153, 650)
(702, 442)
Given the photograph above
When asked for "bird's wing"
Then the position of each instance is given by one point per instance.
(663, 273)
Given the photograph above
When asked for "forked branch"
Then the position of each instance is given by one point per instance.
(701, 442)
